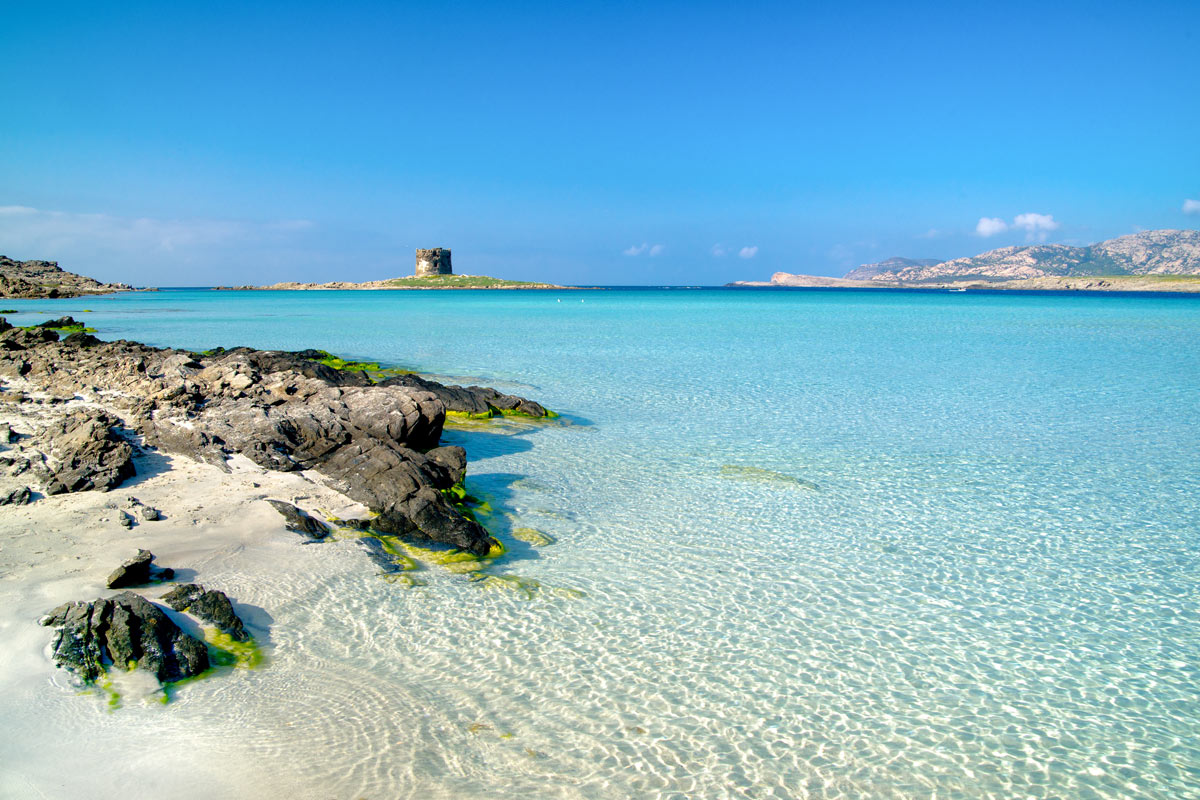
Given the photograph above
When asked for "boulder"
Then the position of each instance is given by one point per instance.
(86, 453)
(210, 606)
(138, 570)
(126, 630)
(17, 497)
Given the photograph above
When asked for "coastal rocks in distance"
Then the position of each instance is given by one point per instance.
(210, 606)
(471, 400)
(86, 453)
(138, 570)
(45, 279)
(126, 630)
(299, 522)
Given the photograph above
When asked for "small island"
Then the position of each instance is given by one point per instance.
(433, 271)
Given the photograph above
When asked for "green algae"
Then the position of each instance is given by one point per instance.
(760, 475)
(533, 536)
(68, 329)
(225, 651)
(498, 413)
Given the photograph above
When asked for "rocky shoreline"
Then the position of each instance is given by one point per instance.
(91, 407)
(47, 280)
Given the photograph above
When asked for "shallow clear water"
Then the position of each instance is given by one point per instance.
(833, 544)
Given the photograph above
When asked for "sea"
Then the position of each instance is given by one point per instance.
(806, 544)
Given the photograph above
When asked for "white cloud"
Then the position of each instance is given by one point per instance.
(1191, 206)
(1036, 224)
(33, 231)
(748, 252)
(932, 233)
(719, 251)
(645, 248)
(990, 226)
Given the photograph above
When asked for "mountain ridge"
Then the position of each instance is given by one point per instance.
(1158, 252)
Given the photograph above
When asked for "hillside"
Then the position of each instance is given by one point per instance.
(1163, 252)
(44, 279)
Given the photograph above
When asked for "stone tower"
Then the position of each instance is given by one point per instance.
(433, 262)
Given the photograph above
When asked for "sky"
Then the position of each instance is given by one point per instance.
(613, 143)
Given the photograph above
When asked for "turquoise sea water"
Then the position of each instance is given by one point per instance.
(833, 544)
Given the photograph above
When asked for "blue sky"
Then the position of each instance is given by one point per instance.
(615, 143)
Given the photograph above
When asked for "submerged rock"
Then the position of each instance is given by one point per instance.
(299, 522)
(210, 606)
(126, 630)
(138, 570)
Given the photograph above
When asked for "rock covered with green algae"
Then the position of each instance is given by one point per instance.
(125, 630)
(475, 401)
(210, 606)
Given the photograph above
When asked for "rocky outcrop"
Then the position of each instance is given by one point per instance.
(378, 443)
(85, 453)
(210, 606)
(473, 400)
(126, 630)
(45, 279)
(137, 571)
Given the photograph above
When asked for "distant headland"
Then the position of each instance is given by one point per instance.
(433, 271)
(46, 279)
(1150, 261)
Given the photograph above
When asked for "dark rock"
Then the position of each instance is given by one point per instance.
(299, 522)
(210, 606)
(474, 400)
(17, 497)
(6, 433)
(124, 519)
(378, 443)
(81, 339)
(87, 453)
(149, 514)
(126, 630)
(61, 322)
(138, 570)
(5, 325)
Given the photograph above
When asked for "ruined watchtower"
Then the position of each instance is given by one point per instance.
(433, 262)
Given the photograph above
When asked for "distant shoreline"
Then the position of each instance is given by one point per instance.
(437, 283)
(1111, 284)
